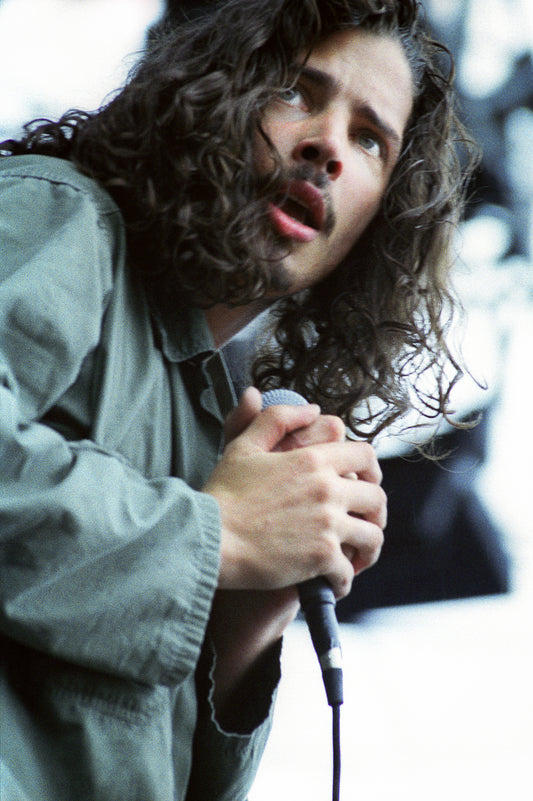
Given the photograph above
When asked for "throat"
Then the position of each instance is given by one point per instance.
(225, 322)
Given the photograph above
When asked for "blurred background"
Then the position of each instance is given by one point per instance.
(438, 637)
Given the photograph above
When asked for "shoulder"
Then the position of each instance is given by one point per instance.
(47, 174)
(50, 212)
(62, 246)
(47, 196)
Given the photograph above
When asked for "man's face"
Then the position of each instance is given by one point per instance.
(339, 133)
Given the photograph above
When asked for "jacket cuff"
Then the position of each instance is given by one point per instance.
(230, 759)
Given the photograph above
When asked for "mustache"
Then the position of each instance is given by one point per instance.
(273, 185)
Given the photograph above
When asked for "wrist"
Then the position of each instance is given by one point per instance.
(244, 627)
(250, 702)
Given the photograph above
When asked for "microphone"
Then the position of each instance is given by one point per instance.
(316, 596)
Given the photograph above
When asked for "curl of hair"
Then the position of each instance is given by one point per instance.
(370, 341)
(175, 148)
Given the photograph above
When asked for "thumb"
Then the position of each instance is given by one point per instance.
(250, 405)
(272, 425)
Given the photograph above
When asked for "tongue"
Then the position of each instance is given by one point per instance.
(297, 211)
(289, 226)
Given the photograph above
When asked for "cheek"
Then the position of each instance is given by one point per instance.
(355, 216)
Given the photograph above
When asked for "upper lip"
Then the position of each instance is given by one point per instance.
(309, 196)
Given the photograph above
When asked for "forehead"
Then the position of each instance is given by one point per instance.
(370, 68)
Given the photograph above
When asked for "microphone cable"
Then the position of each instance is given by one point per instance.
(336, 734)
(318, 605)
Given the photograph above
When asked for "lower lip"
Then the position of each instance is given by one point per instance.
(289, 227)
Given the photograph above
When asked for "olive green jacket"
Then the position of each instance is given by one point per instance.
(110, 423)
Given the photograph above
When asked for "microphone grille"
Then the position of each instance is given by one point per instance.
(283, 397)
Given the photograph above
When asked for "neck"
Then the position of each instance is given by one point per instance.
(226, 321)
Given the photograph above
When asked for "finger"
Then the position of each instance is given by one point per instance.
(349, 551)
(326, 428)
(367, 543)
(347, 458)
(239, 419)
(341, 581)
(367, 464)
(366, 500)
(362, 552)
(345, 547)
(269, 428)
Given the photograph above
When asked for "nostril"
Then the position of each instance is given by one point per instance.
(333, 168)
(310, 152)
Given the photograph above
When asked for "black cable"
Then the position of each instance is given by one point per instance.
(318, 605)
(336, 719)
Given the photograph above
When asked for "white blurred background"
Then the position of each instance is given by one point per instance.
(438, 646)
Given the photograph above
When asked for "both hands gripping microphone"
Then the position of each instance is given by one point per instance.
(316, 596)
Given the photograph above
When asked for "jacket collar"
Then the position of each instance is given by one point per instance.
(184, 333)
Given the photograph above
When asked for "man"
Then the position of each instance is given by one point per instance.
(292, 154)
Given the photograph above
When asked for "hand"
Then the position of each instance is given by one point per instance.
(244, 624)
(323, 428)
(288, 515)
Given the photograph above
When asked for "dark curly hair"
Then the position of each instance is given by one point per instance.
(175, 149)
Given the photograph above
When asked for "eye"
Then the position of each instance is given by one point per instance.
(370, 142)
(294, 96)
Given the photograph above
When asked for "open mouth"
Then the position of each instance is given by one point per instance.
(298, 211)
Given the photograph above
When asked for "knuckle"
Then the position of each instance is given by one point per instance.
(324, 494)
(323, 554)
(370, 548)
(335, 428)
(366, 450)
(380, 504)
(377, 539)
(277, 417)
(378, 510)
(344, 586)
(371, 460)
(310, 460)
(326, 520)
(273, 419)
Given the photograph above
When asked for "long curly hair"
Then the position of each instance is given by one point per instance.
(175, 148)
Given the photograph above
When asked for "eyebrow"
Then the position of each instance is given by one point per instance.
(332, 86)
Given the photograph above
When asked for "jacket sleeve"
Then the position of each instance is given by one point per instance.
(99, 566)
(225, 763)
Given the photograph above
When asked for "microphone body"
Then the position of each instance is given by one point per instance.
(316, 596)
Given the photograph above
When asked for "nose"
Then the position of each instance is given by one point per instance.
(321, 149)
